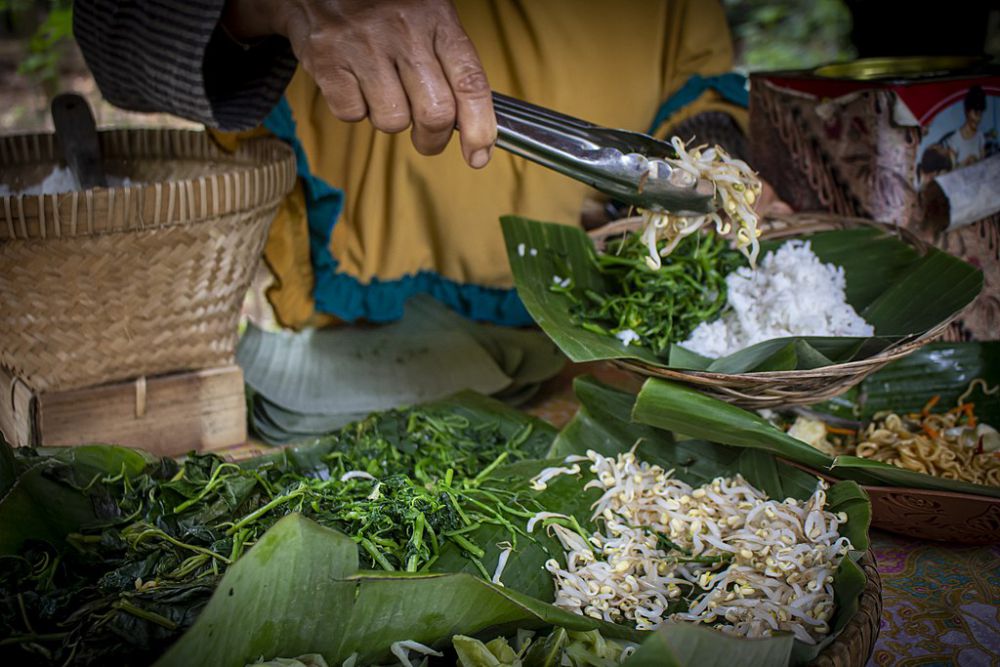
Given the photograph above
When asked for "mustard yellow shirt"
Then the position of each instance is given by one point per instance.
(415, 223)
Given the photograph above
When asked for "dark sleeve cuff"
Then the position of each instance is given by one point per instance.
(243, 82)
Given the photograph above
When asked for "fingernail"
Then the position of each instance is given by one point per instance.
(480, 158)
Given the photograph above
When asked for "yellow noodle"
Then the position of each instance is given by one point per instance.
(978, 382)
(928, 444)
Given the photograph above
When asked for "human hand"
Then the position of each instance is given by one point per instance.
(400, 63)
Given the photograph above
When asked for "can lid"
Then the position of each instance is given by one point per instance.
(906, 68)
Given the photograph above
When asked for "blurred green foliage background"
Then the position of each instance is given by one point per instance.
(789, 34)
(48, 43)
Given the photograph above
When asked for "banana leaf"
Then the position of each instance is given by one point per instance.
(306, 384)
(937, 369)
(352, 370)
(701, 646)
(684, 410)
(45, 500)
(901, 293)
(299, 591)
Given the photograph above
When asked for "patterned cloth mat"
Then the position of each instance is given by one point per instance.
(941, 604)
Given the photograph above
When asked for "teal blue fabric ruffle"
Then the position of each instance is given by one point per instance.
(732, 86)
(348, 298)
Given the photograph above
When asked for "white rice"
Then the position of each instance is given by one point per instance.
(792, 293)
(627, 336)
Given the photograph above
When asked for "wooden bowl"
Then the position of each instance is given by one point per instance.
(945, 516)
(939, 516)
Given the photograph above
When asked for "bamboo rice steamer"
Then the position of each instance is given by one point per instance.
(144, 278)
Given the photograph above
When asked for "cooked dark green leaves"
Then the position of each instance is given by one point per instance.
(401, 484)
(659, 306)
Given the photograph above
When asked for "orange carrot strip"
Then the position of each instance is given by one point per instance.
(931, 403)
(840, 431)
(930, 431)
(970, 415)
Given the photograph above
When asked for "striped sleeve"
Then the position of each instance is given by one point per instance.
(171, 56)
(713, 127)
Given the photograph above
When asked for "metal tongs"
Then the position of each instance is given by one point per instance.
(626, 165)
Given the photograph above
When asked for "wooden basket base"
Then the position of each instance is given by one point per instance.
(166, 415)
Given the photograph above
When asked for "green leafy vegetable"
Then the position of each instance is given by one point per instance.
(156, 536)
(660, 306)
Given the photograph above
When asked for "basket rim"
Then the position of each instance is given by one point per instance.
(852, 637)
(258, 172)
(821, 221)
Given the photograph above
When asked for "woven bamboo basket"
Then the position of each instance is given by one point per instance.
(782, 388)
(113, 283)
(854, 645)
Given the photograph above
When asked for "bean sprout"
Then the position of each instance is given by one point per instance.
(746, 564)
(505, 550)
(737, 188)
(402, 650)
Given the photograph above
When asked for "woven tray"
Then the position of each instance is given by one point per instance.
(113, 283)
(855, 644)
(782, 388)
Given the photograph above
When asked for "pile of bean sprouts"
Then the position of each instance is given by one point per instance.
(743, 563)
(736, 187)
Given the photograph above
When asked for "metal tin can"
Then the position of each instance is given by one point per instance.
(908, 140)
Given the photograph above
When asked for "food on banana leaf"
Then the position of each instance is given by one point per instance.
(403, 484)
(722, 553)
(151, 560)
(702, 299)
(564, 286)
(951, 444)
(792, 293)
